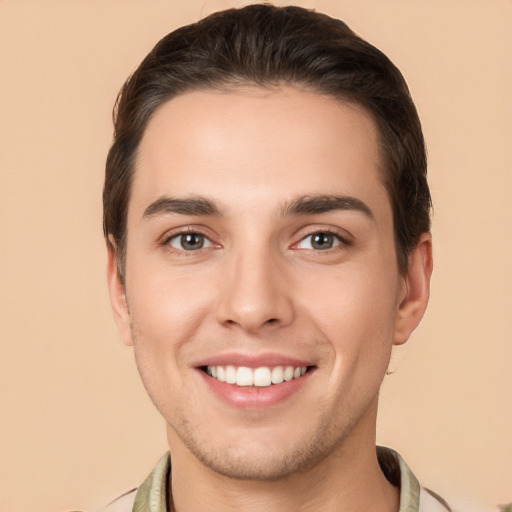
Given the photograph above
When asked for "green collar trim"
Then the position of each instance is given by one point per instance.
(152, 494)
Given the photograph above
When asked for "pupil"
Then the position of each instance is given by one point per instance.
(192, 241)
(322, 241)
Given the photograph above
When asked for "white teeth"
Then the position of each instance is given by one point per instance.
(230, 374)
(288, 373)
(277, 375)
(244, 376)
(260, 377)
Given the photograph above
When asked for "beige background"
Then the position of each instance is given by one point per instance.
(76, 427)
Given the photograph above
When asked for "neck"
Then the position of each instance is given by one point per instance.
(348, 479)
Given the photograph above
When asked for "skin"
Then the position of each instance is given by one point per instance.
(258, 286)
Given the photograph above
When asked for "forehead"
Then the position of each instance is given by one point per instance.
(256, 144)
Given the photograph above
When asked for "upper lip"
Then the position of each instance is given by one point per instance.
(252, 361)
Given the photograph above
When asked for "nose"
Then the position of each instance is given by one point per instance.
(255, 293)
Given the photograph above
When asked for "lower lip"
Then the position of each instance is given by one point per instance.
(254, 397)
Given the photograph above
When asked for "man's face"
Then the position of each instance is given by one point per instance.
(260, 249)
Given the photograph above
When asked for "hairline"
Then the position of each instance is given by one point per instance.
(239, 85)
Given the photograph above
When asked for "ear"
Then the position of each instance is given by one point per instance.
(416, 290)
(117, 293)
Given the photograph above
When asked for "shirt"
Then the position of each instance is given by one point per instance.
(151, 496)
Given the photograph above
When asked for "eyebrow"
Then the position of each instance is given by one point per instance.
(304, 205)
(325, 203)
(194, 205)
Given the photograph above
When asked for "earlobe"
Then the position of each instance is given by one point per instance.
(416, 287)
(117, 294)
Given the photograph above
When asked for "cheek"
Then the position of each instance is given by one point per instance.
(167, 304)
(166, 312)
(355, 309)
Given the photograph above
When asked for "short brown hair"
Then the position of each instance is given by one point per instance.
(267, 46)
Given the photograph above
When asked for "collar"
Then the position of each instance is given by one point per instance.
(152, 494)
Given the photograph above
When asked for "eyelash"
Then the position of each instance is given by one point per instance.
(183, 232)
(339, 241)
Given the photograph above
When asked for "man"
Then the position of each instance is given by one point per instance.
(267, 221)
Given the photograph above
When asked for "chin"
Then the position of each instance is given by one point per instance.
(266, 467)
(265, 459)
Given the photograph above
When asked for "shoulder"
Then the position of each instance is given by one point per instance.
(432, 502)
(413, 497)
(150, 495)
(123, 503)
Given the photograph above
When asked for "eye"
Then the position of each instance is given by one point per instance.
(189, 242)
(320, 241)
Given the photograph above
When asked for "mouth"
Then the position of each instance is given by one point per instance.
(263, 376)
(255, 382)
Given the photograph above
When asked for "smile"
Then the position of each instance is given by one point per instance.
(263, 376)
